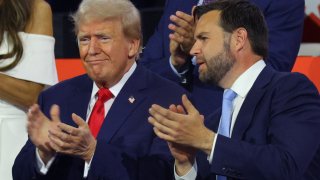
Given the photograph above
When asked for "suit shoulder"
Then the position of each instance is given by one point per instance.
(289, 82)
(155, 80)
(69, 83)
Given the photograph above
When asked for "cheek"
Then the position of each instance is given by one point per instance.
(83, 51)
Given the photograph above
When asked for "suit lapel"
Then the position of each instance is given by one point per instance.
(127, 100)
(246, 113)
(80, 97)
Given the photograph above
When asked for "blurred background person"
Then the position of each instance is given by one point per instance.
(26, 66)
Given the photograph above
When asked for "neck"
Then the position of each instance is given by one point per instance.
(238, 68)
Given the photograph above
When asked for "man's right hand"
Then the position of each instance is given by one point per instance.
(38, 129)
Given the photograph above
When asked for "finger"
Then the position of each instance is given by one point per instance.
(180, 22)
(181, 110)
(60, 135)
(160, 113)
(68, 129)
(162, 135)
(188, 105)
(182, 19)
(161, 127)
(55, 113)
(55, 147)
(34, 113)
(173, 44)
(78, 120)
(60, 146)
(173, 108)
(181, 31)
(177, 38)
(186, 17)
(33, 109)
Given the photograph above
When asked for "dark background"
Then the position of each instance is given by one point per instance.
(66, 47)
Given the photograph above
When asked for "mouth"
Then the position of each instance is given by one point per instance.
(95, 61)
(200, 62)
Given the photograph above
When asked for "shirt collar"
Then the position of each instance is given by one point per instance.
(245, 81)
(117, 87)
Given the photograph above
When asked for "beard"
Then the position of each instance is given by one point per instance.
(218, 66)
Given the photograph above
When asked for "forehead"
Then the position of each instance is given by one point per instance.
(110, 25)
(208, 22)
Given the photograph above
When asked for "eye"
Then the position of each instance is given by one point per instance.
(203, 38)
(84, 40)
(104, 39)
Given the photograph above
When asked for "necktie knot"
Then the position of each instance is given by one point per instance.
(104, 94)
(229, 94)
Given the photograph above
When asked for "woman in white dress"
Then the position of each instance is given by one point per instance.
(27, 65)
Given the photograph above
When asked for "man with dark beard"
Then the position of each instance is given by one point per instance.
(269, 123)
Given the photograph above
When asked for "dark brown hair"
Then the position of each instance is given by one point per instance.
(240, 13)
(14, 16)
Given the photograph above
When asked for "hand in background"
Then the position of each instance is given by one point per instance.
(181, 40)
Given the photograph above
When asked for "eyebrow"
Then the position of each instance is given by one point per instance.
(99, 34)
(201, 34)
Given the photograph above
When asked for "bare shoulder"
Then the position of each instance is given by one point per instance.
(41, 19)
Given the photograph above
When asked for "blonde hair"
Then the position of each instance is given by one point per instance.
(90, 10)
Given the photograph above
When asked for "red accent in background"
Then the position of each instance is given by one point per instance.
(68, 68)
(310, 67)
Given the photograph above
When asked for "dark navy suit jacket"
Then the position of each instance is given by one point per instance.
(127, 147)
(285, 22)
(276, 133)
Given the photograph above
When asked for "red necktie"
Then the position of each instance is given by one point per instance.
(97, 114)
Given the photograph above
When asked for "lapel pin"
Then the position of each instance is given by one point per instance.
(131, 99)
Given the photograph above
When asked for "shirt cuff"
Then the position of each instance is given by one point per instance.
(180, 74)
(42, 168)
(87, 168)
(191, 174)
(209, 158)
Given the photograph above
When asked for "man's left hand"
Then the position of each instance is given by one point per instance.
(74, 141)
(185, 129)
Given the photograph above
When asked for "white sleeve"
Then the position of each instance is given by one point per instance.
(43, 168)
(37, 63)
(191, 174)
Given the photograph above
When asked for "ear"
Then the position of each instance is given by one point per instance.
(240, 38)
(134, 45)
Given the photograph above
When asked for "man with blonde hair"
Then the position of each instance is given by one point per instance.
(98, 126)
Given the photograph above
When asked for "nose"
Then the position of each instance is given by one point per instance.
(94, 47)
(195, 50)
